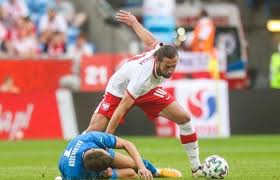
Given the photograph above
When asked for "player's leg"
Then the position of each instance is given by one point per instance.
(98, 122)
(122, 161)
(158, 102)
(188, 135)
(103, 113)
(126, 173)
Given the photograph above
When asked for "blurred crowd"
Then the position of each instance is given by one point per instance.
(51, 28)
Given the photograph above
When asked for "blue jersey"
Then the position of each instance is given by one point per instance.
(71, 163)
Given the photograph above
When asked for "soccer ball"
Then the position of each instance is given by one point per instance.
(58, 178)
(215, 167)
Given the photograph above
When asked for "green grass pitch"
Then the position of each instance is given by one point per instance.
(249, 157)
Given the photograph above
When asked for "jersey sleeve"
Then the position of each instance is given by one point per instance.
(102, 140)
(110, 140)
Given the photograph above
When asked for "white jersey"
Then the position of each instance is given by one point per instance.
(137, 76)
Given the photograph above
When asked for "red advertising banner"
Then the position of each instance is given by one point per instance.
(29, 116)
(96, 71)
(119, 60)
(35, 75)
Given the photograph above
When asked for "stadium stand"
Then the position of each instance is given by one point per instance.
(26, 23)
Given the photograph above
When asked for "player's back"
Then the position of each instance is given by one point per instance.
(71, 161)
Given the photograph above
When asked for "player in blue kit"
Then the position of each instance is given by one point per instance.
(91, 156)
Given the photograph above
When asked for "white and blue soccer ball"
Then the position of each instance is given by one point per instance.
(215, 167)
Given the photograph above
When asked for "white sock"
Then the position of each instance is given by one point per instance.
(157, 173)
(192, 150)
(189, 141)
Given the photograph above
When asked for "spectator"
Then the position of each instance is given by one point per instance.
(81, 47)
(14, 9)
(26, 44)
(37, 8)
(202, 39)
(50, 23)
(203, 36)
(74, 20)
(3, 29)
(8, 85)
(21, 39)
(77, 50)
(275, 69)
(68, 11)
(12, 36)
(56, 45)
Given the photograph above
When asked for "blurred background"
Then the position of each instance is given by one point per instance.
(56, 57)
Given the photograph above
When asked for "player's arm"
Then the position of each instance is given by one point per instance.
(125, 104)
(146, 36)
(133, 152)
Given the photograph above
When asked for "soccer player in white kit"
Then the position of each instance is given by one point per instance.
(137, 83)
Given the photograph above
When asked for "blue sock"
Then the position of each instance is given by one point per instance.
(114, 174)
(150, 166)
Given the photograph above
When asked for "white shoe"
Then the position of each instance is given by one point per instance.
(58, 178)
(198, 172)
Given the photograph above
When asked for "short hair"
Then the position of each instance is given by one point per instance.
(97, 161)
(204, 13)
(82, 35)
(166, 50)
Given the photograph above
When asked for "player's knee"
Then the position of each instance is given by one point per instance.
(182, 118)
(131, 174)
(98, 123)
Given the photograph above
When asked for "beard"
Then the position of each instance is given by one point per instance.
(166, 75)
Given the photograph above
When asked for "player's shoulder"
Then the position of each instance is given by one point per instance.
(97, 134)
(94, 133)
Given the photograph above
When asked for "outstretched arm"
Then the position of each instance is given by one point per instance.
(146, 36)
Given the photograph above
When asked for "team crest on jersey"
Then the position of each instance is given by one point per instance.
(105, 106)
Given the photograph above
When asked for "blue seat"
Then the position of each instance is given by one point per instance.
(38, 8)
(1, 1)
(72, 34)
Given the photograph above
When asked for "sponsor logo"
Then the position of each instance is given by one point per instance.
(162, 94)
(202, 104)
(14, 123)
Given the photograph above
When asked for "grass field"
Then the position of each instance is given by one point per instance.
(249, 157)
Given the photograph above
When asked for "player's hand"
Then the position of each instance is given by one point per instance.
(107, 173)
(145, 174)
(126, 17)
